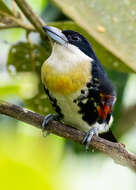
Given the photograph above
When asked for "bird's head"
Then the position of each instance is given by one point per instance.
(65, 37)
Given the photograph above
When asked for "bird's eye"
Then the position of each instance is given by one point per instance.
(75, 38)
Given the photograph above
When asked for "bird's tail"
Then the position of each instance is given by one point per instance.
(108, 136)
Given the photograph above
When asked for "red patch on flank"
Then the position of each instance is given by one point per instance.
(107, 102)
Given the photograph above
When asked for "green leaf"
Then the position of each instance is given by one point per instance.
(111, 23)
(23, 85)
(8, 90)
(105, 57)
(26, 57)
(4, 8)
(38, 7)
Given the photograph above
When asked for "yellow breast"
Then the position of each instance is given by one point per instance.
(68, 82)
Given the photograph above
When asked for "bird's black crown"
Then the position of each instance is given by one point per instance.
(80, 41)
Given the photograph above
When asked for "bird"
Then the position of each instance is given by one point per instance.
(77, 84)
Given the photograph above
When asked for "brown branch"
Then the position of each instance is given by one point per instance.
(35, 20)
(8, 21)
(114, 150)
(27, 27)
(15, 22)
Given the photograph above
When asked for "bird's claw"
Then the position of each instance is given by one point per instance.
(45, 122)
(88, 137)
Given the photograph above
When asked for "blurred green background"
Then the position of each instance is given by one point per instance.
(29, 161)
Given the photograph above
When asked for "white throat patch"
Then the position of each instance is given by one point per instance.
(64, 58)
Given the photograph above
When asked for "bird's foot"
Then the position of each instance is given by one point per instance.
(88, 137)
(46, 121)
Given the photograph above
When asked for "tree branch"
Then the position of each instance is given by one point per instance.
(31, 16)
(9, 21)
(27, 27)
(114, 150)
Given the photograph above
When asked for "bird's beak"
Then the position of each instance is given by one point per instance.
(56, 34)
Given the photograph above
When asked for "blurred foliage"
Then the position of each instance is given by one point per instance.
(106, 58)
(53, 13)
(28, 162)
(111, 23)
(28, 57)
(6, 5)
(4, 8)
(38, 7)
(23, 85)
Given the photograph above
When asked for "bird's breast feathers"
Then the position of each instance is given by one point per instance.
(66, 71)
